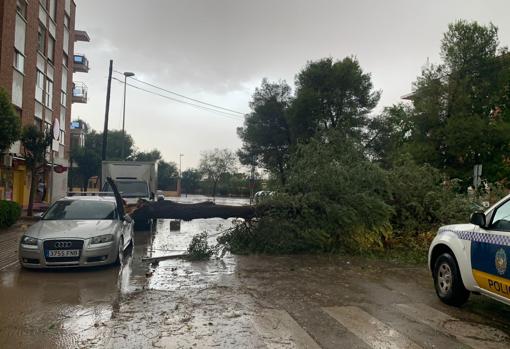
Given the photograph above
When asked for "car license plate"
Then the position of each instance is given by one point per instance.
(63, 253)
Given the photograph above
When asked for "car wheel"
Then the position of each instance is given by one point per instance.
(120, 253)
(448, 281)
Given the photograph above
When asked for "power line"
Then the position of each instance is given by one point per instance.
(183, 96)
(221, 113)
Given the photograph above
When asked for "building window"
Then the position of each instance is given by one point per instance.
(64, 80)
(21, 7)
(51, 49)
(63, 98)
(38, 123)
(19, 34)
(19, 61)
(66, 41)
(68, 6)
(52, 8)
(48, 93)
(17, 88)
(39, 87)
(66, 21)
(65, 60)
(41, 38)
(63, 118)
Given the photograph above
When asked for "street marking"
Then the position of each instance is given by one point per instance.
(370, 330)
(279, 330)
(471, 334)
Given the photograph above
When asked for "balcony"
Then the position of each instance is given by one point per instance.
(80, 64)
(79, 92)
(81, 35)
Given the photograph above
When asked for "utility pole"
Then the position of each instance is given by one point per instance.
(106, 113)
(127, 74)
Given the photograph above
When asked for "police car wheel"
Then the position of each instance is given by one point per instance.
(448, 281)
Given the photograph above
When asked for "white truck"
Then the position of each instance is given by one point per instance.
(135, 179)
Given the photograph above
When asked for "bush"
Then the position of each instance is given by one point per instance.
(10, 211)
(199, 249)
(422, 199)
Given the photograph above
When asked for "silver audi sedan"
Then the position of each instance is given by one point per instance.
(77, 231)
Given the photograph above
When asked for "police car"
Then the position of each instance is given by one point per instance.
(465, 258)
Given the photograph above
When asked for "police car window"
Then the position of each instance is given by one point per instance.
(501, 220)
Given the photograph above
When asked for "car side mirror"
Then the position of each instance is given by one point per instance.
(478, 218)
(39, 215)
(152, 196)
(127, 218)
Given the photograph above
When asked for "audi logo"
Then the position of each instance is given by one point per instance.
(63, 244)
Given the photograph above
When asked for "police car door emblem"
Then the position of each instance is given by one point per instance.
(500, 261)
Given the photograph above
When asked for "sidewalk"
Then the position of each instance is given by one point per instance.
(9, 239)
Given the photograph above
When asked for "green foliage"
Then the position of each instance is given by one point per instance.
(333, 195)
(89, 164)
(94, 140)
(153, 155)
(422, 199)
(10, 211)
(461, 107)
(190, 181)
(167, 175)
(215, 164)
(332, 95)
(199, 248)
(388, 133)
(469, 45)
(266, 135)
(35, 143)
(10, 123)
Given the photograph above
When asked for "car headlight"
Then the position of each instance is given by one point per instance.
(101, 239)
(28, 240)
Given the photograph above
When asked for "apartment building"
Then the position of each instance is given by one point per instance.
(37, 62)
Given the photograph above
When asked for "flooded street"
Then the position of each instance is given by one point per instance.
(238, 302)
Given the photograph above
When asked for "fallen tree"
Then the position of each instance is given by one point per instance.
(173, 210)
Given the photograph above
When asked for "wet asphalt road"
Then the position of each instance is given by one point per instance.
(238, 302)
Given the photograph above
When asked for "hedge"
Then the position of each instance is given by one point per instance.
(10, 211)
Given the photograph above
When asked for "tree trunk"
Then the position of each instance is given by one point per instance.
(214, 189)
(173, 210)
(30, 208)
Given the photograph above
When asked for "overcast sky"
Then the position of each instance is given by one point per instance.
(218, 51)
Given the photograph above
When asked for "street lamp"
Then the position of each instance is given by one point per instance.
(126, 75)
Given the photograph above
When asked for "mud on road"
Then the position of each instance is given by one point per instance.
(239, 302)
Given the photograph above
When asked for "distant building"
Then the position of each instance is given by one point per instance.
(37, 63)
(78, 130)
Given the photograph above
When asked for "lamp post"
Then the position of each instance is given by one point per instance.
(126, 75)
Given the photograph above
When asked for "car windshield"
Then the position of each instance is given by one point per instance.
(81, 210)
(131, 189)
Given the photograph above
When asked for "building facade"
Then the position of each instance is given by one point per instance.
(37, 62)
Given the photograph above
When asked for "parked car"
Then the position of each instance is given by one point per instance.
(77, 231)
(473, 257)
